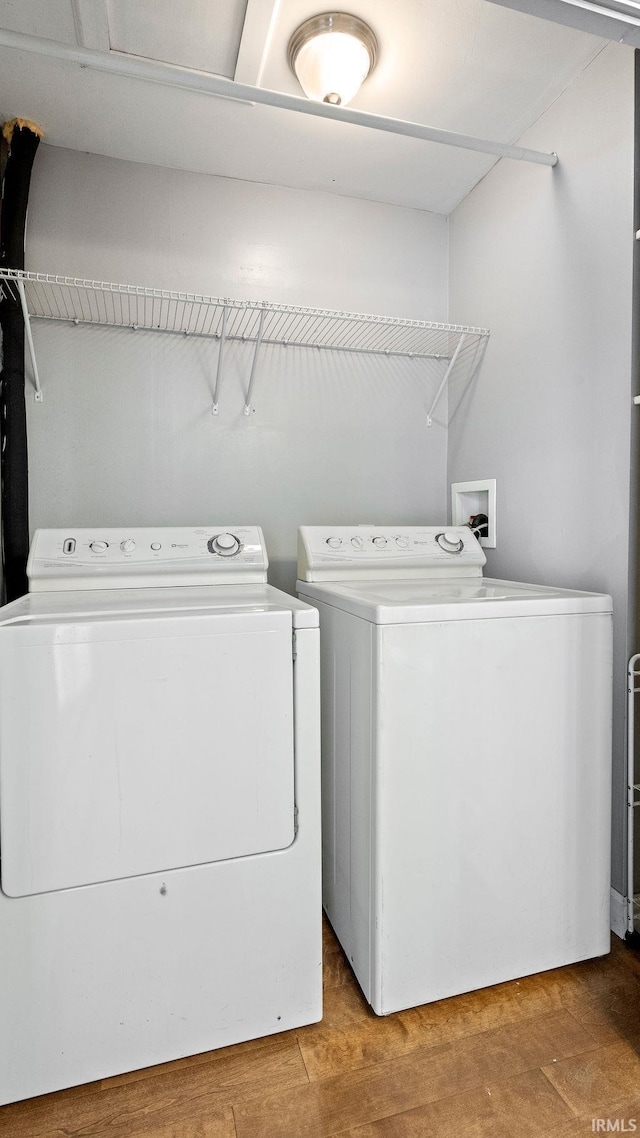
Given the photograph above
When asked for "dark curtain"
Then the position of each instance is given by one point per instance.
(22, 141)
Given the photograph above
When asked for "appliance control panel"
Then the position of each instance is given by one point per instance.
(133, 558)
(336, 553)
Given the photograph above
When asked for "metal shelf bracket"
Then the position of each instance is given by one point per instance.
(32, 351)
(247, 403)
(223, 334)
(445, 380)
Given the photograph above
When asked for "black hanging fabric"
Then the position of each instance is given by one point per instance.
(22, 140)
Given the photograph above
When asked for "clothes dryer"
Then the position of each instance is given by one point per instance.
(159, 804)
(466, 726)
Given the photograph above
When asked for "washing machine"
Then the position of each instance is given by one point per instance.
(466, 726)
(159, 804)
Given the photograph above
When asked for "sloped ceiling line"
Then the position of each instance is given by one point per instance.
(256, 40)
(91, 21)
(615, 21)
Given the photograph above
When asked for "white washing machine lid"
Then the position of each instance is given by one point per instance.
(413, 602)
(103, 605)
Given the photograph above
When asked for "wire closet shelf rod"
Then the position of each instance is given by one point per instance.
(48, 297)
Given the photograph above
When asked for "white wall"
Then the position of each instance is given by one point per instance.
(126, 434)
(544, 258)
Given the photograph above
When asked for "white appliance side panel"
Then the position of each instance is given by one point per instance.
(142, 746)
(493, 787)
(346, 671)
(114, 977)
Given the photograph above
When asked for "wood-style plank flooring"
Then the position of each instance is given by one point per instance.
(546, 1055)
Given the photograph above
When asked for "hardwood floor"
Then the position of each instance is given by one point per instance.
(542, 1056)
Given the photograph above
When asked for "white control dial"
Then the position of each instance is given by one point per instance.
(334, 542)
(450, 541)
(226, 544)
(99, 546)
(155, 545)
(128, 546)
(402, 542)
(379, 542)
(357, 542)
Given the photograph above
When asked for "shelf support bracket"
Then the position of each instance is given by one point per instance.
(247, 404)
(445, 380)
(32, 351)
(223, 333)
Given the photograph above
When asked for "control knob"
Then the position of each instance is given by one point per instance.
(128, 545)
(225, 544)
(334, 542)
(402, 542)
(357, 542)
(99, 546)
(450, 541)
(379, 542)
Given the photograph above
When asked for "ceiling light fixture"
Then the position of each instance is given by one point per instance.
(331, 55)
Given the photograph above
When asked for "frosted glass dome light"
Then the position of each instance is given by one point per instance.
(331, 55)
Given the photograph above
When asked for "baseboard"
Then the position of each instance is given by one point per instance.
(618, 914)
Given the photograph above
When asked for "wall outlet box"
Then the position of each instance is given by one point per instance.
(479, 497)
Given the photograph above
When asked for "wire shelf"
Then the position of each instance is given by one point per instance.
(48, 297)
